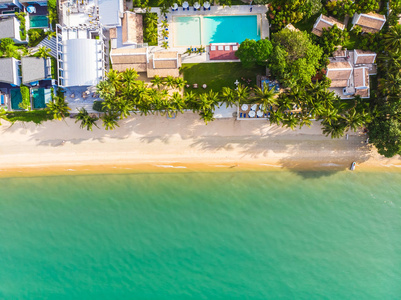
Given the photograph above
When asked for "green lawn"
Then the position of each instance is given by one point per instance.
(35, 116)
(218, 75)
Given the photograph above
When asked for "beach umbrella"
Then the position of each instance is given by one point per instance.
(185, 4)
(31, 9)
(206, 5)
(175, 6)
(196, 5)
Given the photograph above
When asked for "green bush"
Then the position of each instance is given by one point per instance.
(35, 116)
(22, 27)
(26, 99)
(35, 36)
(150, 29)
(98, 106)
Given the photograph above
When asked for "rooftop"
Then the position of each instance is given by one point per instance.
(7, 70)
(9, 28)
(370, 22)
(324, 22)
(34, 69)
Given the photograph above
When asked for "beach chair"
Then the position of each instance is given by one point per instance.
(240, 115)
(235, 48)
(227, 48)
(213, 48)
(220, 48)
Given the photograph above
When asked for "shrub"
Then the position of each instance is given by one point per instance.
(98, 106)
(22, 27)
(26, 100)
(35, 36)
(150, 33)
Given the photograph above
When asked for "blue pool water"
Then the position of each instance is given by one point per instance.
(225, 29)
(38, 21)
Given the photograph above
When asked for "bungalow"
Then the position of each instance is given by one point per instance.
(349, 73)
(9, 71)
(325, 22)
(371, 22)
(35, 69)
(9, 28)
(129, 58)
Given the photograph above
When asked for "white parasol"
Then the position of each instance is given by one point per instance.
(196, 5)
(185, 4)
(175, 6)
(206, 5)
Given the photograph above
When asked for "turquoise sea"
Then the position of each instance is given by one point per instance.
(234, 235)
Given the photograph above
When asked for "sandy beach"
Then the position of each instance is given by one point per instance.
(157, 143)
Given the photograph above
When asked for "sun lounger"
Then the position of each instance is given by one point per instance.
(220, 48)
(213, 48)
(240, 115)
(227, 48)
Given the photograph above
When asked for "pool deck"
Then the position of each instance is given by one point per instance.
(235, 10)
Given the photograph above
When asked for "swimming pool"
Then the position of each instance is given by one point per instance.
(38, 21)
(40, 97)
(192, 31)
(16, 98)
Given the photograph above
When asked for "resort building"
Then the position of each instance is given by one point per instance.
(371, 22)
(324, 22)
(9, 28)
(80, 56)
(34, 70)
(349, 73)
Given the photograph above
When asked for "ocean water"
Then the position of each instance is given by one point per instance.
(234, 235)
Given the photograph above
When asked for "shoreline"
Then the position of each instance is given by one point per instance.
(185, 144)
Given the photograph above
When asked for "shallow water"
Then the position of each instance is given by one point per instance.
(256, 235)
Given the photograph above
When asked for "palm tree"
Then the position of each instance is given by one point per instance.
(129, 76)
(58, 107)
(178, 102)
(392, 39)
(336, 129)
(265, 96)
(110, 120)
(157, 81)
(241, 94)
(164, 24)
(165, 45)
(276, 117)
(227, 96)
(169, 81)
(85, 119)
(106, 90)
(180, 82)
(290, 121)
(43, 52)
(51, 34)
(114, 77)
(354, 119)
(191, 100)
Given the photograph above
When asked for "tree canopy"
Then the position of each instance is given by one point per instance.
(295, 58)
(252, 52)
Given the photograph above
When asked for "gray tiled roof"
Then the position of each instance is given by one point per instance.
(33, 69)
(7, 69)
(7, 28)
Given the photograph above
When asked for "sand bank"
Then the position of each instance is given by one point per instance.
(155, 143)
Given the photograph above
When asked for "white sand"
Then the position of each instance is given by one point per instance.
(158, 141)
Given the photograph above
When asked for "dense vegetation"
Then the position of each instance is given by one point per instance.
(22, 27)
(385, 129)
(150, 28)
